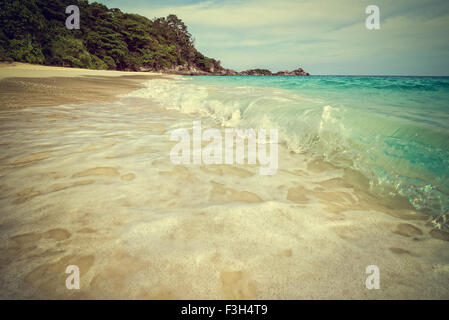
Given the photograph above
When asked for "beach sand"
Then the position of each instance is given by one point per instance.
(25, 85)
(86, 179)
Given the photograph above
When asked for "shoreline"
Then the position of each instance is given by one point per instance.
(92, 185)
(53, 86)
(169, 72)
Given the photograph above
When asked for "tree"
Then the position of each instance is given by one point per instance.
(34, 31)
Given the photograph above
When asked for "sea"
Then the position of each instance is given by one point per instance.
(394, 130)
(361, 180)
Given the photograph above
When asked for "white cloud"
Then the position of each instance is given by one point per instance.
(326, 36)
(263, 13)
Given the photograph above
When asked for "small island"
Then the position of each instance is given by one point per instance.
(192, 71)
(265, 72)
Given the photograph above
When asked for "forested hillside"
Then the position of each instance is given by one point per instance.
(34, 31)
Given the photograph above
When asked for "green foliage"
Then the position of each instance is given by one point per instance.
(25, 50)
(68, 51)
(34, 31)
(110, 63)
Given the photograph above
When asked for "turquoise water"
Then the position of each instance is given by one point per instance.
(394, 130)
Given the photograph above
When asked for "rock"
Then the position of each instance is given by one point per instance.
(145, 69)
(256, 72)
(265, 72)
(190, 70)
(297, 72)
(228, 72)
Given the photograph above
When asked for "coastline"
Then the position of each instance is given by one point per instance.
(28, 85)
(93, 185)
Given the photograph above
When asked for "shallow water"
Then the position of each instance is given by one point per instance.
(394, 130)
(93, 185)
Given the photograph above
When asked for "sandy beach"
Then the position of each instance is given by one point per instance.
(26, 85)
(86, 179)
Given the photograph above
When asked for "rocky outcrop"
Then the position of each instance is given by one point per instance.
(256, 72)
(189, 70)
(228, 72)
(265, 72)
(297, 72)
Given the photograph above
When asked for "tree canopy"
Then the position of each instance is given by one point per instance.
(34, 31)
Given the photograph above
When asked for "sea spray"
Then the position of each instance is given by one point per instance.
(393, 130)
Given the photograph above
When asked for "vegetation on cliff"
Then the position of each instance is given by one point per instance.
(34, 31)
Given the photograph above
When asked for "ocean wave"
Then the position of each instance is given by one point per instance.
(399, 154)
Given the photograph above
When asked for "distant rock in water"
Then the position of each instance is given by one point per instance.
(228, 72)
(190, 70)
(297, 72)
(256, 72)
(265, 72)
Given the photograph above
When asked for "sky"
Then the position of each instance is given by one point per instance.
(321, 36)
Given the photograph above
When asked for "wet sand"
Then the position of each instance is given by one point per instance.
(92, 185)
(24, 85)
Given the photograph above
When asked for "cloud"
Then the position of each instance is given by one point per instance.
(323, 36)
(262, 13)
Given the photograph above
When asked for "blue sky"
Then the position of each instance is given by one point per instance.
(321, 36)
